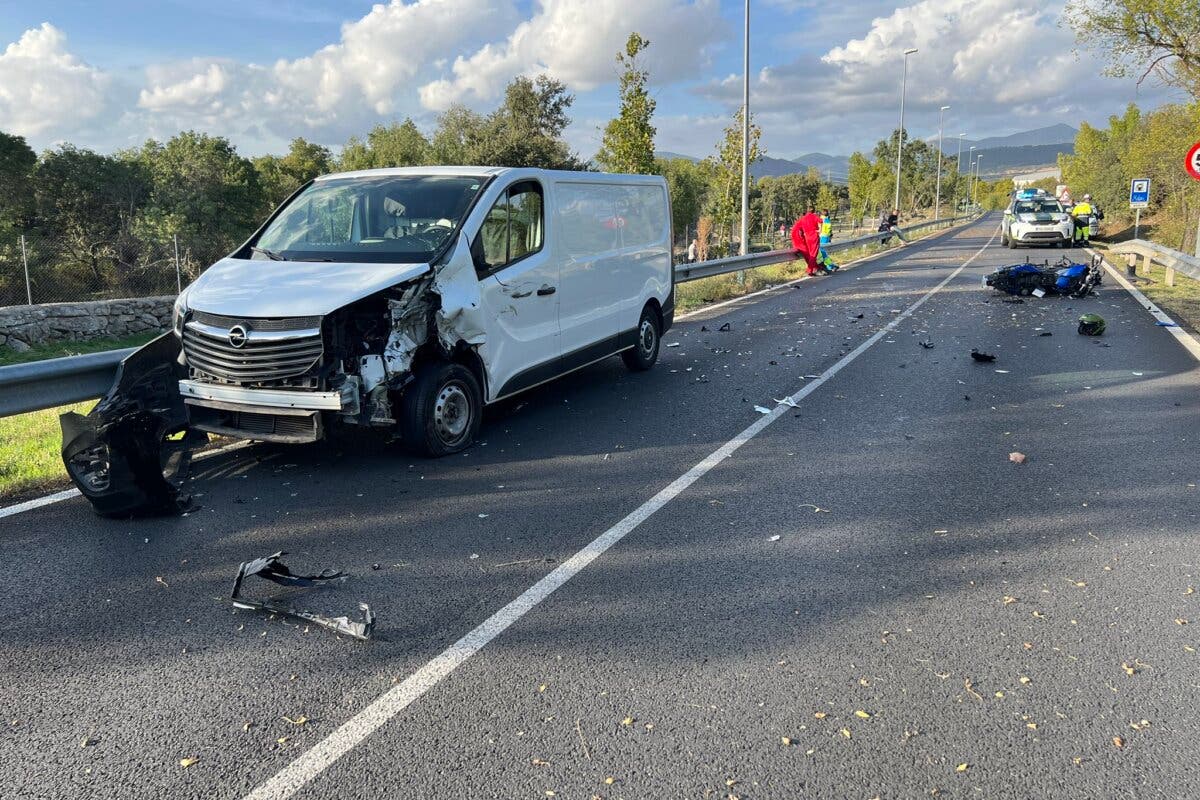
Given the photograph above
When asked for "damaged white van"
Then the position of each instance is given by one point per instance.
(398, 299)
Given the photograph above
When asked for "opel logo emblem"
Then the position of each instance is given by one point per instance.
(238, 335)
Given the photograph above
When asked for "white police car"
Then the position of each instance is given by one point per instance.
(1035, 218)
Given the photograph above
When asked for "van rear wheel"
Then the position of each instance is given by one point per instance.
(644, 353)
(441, 410)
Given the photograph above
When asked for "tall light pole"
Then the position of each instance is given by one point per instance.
(937, 195)
(900, 137)
(978, 163)
(970, 173)
(745, 248)
(960, 152)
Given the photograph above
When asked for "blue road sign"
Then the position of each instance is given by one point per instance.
(1139, 193)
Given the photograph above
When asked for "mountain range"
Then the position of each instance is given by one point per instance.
(1026, 149)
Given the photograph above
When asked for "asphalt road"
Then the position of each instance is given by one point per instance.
(859, 597)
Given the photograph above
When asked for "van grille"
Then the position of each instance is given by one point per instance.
(255, 362)
(275, 324)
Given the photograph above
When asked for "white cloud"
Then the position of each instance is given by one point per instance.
(576, 41)
(44, 88)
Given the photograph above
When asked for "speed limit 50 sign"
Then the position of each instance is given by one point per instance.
(1192, 162)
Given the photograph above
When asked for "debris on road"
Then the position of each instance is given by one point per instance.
(673, 344)
(926, 345)
(979, 355)
(725, 327)
(272, 569)
(787, 401)
(1091, 325)
(1016, 458)
(762, 410)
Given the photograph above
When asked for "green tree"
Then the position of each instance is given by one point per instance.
(725, 192)
(397, 145)
(454, 140)
(827, 199)
(687, 184)
(89, 203)
(279, 176)
(201, 189)
(628, 144)
(526, 130)
(17, 161)
(1142, 37)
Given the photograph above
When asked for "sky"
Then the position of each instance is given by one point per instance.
(108, 74)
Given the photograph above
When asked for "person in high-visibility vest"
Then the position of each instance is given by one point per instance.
(1082, 213)
(826, 229)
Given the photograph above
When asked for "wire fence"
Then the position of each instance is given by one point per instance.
(55, 267)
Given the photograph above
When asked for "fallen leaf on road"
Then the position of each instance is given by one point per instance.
(627, 721)
(537, 762)
(300, 720)
(1039, 615)
(862, 715)
(610, 780)
(1189, 590)
(820, 715)
(187, 762)
(88, 741)
(846, 732)
(962, 768)
(1008, 600)
(247, 726)
(1128, 669)
(1016, 458)
(1118, 741)
(1000, 695)
(970, 687)
(785, 741)
(542, 688)
(1139, 726)
(1027, 645)
(1025, 681)
(1031, 725)
(1180, 621)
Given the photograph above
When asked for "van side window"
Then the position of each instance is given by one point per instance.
(513, 228)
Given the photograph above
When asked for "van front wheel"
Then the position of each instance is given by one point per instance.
(441, 410)
(644, 353)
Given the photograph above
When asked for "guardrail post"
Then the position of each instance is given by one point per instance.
(1169, 277)
(1131, 264)
(25, 263)
(1146, 264)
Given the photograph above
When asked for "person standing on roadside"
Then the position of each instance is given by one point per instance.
(806, 238)
(893, 224)
(826, 228)
(691, 251)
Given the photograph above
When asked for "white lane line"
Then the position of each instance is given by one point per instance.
(1186, 339)
(67, 494)
(351, 733)
(29, 505)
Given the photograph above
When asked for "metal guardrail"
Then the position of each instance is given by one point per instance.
(1151, 252)
(725, 266)
(59, 381)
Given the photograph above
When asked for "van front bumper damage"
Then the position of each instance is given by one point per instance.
(265, 415)
(130, 455)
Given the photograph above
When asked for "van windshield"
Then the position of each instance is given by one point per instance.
(391, 219)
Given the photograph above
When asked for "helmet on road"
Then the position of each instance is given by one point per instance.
(1087, 197)
(1091, 325)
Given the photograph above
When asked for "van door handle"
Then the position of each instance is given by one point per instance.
(545, 290)
(519, 295)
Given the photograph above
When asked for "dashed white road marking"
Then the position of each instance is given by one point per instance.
(355, 730)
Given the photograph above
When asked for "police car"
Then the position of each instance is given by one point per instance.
(1036, 218)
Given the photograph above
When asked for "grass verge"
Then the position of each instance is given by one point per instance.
(29, 452)
(41, 352)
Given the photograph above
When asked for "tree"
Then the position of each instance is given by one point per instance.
(726, 168)
(628, 144)
(89, 203)
(454, 141)
(280, 176)
(687, 184)
(1142, 37)
(396, 145)
(202, 190)
(526, 130)
(1097, 165)
(17, 161)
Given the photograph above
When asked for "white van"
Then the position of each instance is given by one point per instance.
(407, 299)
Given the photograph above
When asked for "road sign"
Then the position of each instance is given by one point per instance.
(1139, 193)
(1192, 162)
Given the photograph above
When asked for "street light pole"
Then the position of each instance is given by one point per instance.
(937, 195)
(745, 248)
(900, 135)
(959, 167)
(970, 173)
(978, 164)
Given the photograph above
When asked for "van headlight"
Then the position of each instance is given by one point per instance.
(179, 314)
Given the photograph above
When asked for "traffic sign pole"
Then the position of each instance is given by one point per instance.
(1137, 222)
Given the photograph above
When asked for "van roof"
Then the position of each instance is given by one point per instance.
(515, 172)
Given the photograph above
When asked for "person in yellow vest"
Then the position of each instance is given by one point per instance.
(826, 229)
(1082, 214)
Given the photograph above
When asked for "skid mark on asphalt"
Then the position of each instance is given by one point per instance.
(355, 730)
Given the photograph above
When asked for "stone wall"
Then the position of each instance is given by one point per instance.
(22, 326)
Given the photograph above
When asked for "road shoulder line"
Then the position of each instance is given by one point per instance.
(1186, 339)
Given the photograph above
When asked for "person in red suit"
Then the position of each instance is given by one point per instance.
(806, 238)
